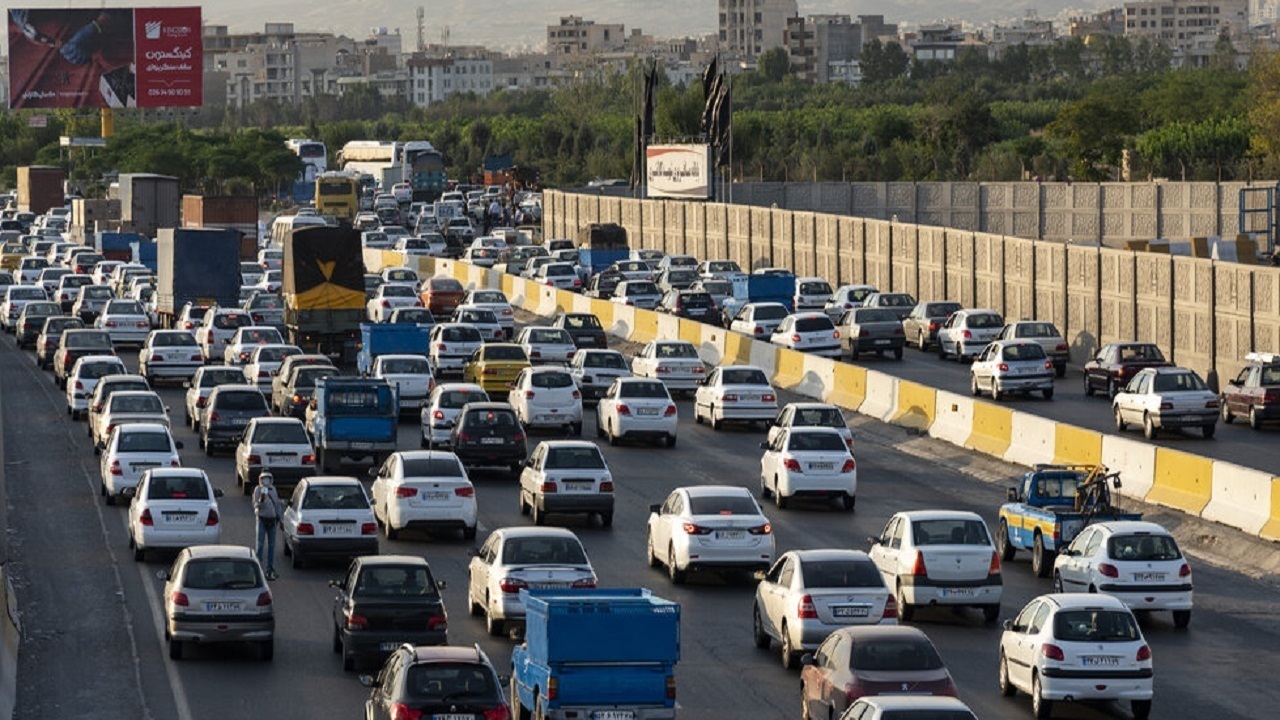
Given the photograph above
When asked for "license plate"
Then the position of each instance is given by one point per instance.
(144, 466)
(882, 342)
(491, 441)
(822, 466)
(361, 445)
(452, 716)
(1099, 661)
(1148, 577)
(647, 411)
(957, 592)
(1190, 418)
(180, 518)
(730, 534)
(388, 646)
(222, 607)
(337, 529)
(437, 495)
(579, 486)
(613, 715)
(851, 610)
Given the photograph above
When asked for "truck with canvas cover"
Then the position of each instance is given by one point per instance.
(195, 265)
(323, 288)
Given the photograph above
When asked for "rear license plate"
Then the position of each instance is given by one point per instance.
(730, 534)
(851, 610)
(222, 607)
(1148, 577)
(180, 518)
(1099, 661)
(822, 466)
(957, 592)
(437, 495)
(579, 486)
(882, 342)
(337, 529)
(144, 466)
(358, 445)
(1190, 418)
(452, 716)
(613, 715)
(491, 441)
(647, 411)
(388, 647)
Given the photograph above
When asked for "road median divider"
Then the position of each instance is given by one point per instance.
(882, 396)
(953, 418)
(1240, 497)
(992, 429)
(1033, 439)
(916, 406)
(1182, 481)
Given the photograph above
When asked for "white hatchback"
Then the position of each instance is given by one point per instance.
(637, 408)
(424, 490)
(547, 345)
(967, 332)
(547, 397)
(245, 340)
(566, 476)
(442, 408)
(1138, 562)
(173, 508)
(1011, 366)
(674, 362)
(328, 517)
(451, 345)
(132, 450)
(708, 527)
(808, 463)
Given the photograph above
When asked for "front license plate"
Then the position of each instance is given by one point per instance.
(491, 441)
(361, 445)
(957, 592)
(613, 715)
(222, 607)
(337, 529)
(1148, 577)
(730, 534)
(1099, 661)
(848, 611)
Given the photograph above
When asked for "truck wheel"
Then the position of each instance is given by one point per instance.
(1041, 559)
(1005, 547)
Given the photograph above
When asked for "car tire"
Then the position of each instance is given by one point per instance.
(1007, 688)
(1113, 389)
(175, 649)
(1060, 370)
(139, 553)
(990, 613)
(996, 393)
(524, 506)
(921, 345)
(974, 390)
(1041, 558)
(267, 651)
(1181, 619)
(1003, 545)
(697, 416)
(1048, 393)
(599, 429)
(492, 625)
(1041, 709)
(906, 611)
(671, 441)
(787, 649)
(606, 519)
(1208, 430)
(778, 498)
(677, 575)
(758, 635)
(337, 640)
(1121, 425)
(612, 434)
(1141, 709)
(469, 532)
(1255, 418)
(765, 493)
(389, 530)
(650, 555)
(897, 353)
(539, 516)
(1088, 389)
(206, 445)
(1057, 583)
(575, 429)
(1149, 429)
(849, 503)
(715, 424)
(942, 350)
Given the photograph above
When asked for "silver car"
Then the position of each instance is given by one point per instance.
(279, 445)
(442, 409)
(1012, 366)
(518, 558)
(595, 370)
(1048, 337)
(871, 330)
(215, 594)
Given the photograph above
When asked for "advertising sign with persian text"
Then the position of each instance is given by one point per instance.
(678, 171)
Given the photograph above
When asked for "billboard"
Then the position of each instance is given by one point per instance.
(105, 58)
(678, 171)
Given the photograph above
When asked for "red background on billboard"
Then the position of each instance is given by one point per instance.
(40, 76)
(169, 52)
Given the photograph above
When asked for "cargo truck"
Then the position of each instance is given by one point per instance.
(198, 266)
(390, 339)
(324, 300)
(607, 654)
(352, 419)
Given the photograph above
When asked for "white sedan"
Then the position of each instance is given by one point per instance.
(514, 559)
(547, 397)
(278, 445)
(410, 375)
(967, 332)
(496, 301)
(1011, 366)
(172, 508)
(424, 490)
(201, 384)
(708, 527)
(1138, 562)
(804, 415)
(1076, 646)
(264, 361)
(482, 319)
(636, 408)
(328, 517)
(127, 406)
(132, 450)
(389, 297)
(674, 362)
(1166, 397)
(568, 477)
(442, 408)
(169, 353)
(547, 345)
(242, 344)
(739, 393)
(810, 332)
(808, 463)
(451, 345)
(125, 321)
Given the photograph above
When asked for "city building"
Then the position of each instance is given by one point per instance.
(940, 43)
(575, 39)
(434, 76)
(1105, 22)
(1030, 31)
(1189, 28)
(816, 43)
(749, 27)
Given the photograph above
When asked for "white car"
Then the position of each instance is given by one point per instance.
(191, 318)
(271, 281)
(127, 406)
(514, 559)
(1011, 366)
(737, 393)
(251, 273)
(106, 386)
(759, 319)
(410, 375)
(242, 344)
(401, 276)
(1076, 646)
(674, 362)
(939, 557)
(84, 377)
(812, 293)
(547, 345)
(595, 370)
(169, 354)
(1138, 562)
(561, 275)
(15, 298)
(173, 508)
(808, 463)
(482, 319)
(808, 594)
(1044, 333)
(496, 301)
(271, 259)
(125, 321)
(847, 297)
(424, 490)
(451, 345)
(217, 329)
(442, 408)
(643, 294)
(717, 269)
(201, 384)
(547, 397)
(708, 527)
(131, 450)
(389, 297)
(29, 269)
(888, 707)
(807, 415)
(264, 361)
(637, 408)
(278, 445)
(967, 332)
(635, 268)
(810, 332)
(567, 477)
(1166, 397)
(328, 517)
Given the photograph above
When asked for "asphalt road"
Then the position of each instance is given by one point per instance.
(93, 644)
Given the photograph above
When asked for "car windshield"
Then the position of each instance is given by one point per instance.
(718, 288)
(1037, 329)
(1178, 382)
(558, 270)
(696, 300)
(490, 419)
(543, 551)
(949, 531)
(454, 399)
(574, 458)
(406, 366)
(489, 296)
(655, 390)
(633, 266)
(681, 276)
(403, 291)
(874, 315)
(432, 467)
(744, 376)
(722, 266)
(505, 352)
(395, 581)
(984, 320)
(551, 380)
(185, 487)
(841, 574)
(611, 360)
(450, 682)
(214, 378)
(1028, 351)
(96, 292)
(897, 300)
(222, 574)
(59, 324)
(144, 442)
(1140, 353)
(231, 321)
(445, 285)
(582, 322)
(306, 377)
(676, 350)
(335, 497)
(818, 417)
(927, 714)
(173, 339)
(815, 288)
(1271, 376)
(402, 275)
(1091, 625)
(1143, 548)
(93, 371)
(123, 307)
(275, 433)
(816, 441)
(420, 316)
(895, 655)
(136, 404)
(263, 335)
(26, 293)
(462, 333)
(770, 312)
(817, 323)
(479, 316)
(722, 505)
(240, 400)
(266, 301)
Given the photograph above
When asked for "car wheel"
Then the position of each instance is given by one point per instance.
(1149, 429)
(974, 390)
(1006, 688)
(206, 445)
(1141, 709)
(671, 441)
(337, 640)
(990, 613)
(494, 626)
(1121, 425)
(778, 498)
(897, 354)
(1208, 431)
(761, 637)
(697, 416)
(1181, 619)
(1057, 583)
(612, 434)
(677, 575)
(1060, 370)
(297, 561)
(175, 649)
(849, 502)
(267, 651)
(942, 350)
(715, 423)
(469, 532)
(905, 611)
(921, 345)
(764, 489)
(1113, 389)
(788, 649)
(1040, 708)
(390, 531)
(650, 555)
(139, 553)
(606, 519)
(599, 429)
(1048, 393)
(1003, 545)
(1255, 418)
(576, 429)
(1088, 389)
(1041, 558)
(996, 393)
(524, 506)
(539, 516)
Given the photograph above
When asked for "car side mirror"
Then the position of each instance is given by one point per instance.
(368, 681)
(764, 446)
(655, 509)
(1007, 624)
(1011, 495)
(186, 384)
(162, 575)
(335, 584)
(177, 444)
(758, 575)
(806, 659)
(217, 492)
(372, 473)
(442, 584)
(873, 540)
(1236, 383)
(129, 492)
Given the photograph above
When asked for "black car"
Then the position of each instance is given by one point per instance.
(690, 304)
(31, 321)
(489, 435)
(384, 601)
(435, 682)
(227, 413)
(584, 328)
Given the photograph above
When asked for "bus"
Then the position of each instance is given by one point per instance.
(424, 171)
(315, 162)
(285, 224)
(338, 194)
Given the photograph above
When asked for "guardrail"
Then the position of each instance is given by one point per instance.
(1222, 492)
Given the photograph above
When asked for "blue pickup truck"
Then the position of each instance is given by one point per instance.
(352, 418)
(390, 339)
(1049, 508)
(602, 654)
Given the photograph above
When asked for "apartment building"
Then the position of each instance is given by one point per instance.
(749, 27)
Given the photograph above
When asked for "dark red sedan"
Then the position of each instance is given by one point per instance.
(1116, 363)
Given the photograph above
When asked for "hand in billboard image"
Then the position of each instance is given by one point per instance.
(72, 58)
(82, 46)
(22, 19)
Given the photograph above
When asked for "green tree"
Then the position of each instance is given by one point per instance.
(882, 62)
(1093, 132)
(774, 64)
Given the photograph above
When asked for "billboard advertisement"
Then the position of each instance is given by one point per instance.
(678, 171)
(105, 58)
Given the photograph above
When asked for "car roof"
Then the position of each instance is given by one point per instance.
(519, 531)
(178, 472)
(1133, 526)
(742, 367)
(402, 356)
(914, 702)
(488, 406)
(821, 554)
(218, 551)
(1168, 370)
(810, 406)
(809, 315)
(1069, 601)
(142, 427)
(714, 491)
(367, 560)
(567, 443)
(229, 388)
(883, 632)
(447, 653)
(426, 454)
(330, 480)
(814, 430)
(276, 421)
(914, 515)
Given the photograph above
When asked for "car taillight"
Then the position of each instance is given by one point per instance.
(622, 409)
(437, 622)
(1004, 367)
(512, 585)
(671, 410)
(264, 599)
(357, 622)
(1144, 653)
(757, 329)
(692, 529)
(792, 464)
(297, 399)
(406, 492)
(1062, 347)
(189, 325)
(1052, 652)
(110, 427)
(368, 528)
(180, 599)
(933, 327)
(918, 569)
(994, 567)
(1211, 405)
(795, 338)
(214, 416)
(261, 373)
(764, 529)
(141, 324)
(308, 459)
(1166, 406)
(212, 519)
(109, 323)
(549, 486)
(849, 466)
(585, 583)
(890, 608)
(145, 518)
(465, 492)
(386, 303)
(1048, 364)
(729, 397)
(836, 335)
(115, 468)
(967, 335)
(1108, 570)
(553, 688)
(768, 397)
(528, 394)
(254, 460)
(519, 437)
(671, 687)
(1184, 571)
(306, 529)
(806, 610)
(897, 331)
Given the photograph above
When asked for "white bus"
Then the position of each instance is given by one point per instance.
(315, 161)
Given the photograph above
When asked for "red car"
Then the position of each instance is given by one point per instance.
(1116, 363)
(870, 660)
(1255, 392)
(441, 295)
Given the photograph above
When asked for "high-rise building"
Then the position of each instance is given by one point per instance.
(1186, 27)
(818, 43)
(575, 38)
(749, 27)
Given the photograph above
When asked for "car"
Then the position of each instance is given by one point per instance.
(871, 660)
(566, 477)
(758, 319)
(451, 345)
(217, 329)
(388, 297)
(280, 446)
(430, 682)
(89, 302)
(812, 293)
(282, 375)
(1115, 364)
(720, 290)
(51, 278)
(708, 527)
(264, 360)
(667, 262)
(441, 410)
(807, 415)
(712, 269)
(847, 297)
(889, 707)
(494, 366)
(547, 397)
(84, 262)
(298, 387)
(265, 309)
(673, 279)
(1046, 335)
(738, 393)
(29, 269)
(696, 305)
(102, 391)
(482, 319)
(530, 270)
(169, 354)
(809, 332)
(633, 269)
(125, 321)
(603, 285)
(131, 450)
(809, 462)
(68, 289)
(245, 339)
(328, 517)
(50, 337)
(1138, 562)
(127, 406)
(401, 276)
(547, 345)
(516, 558)
(246, 292)
(595, 370)
(485, 257)
(939, 557)
(201, 384)
(643, 294)
(191, 317)
(441, 294)
(674, 362)
(809, 594)
(925, 319)
(488, 434)
(372, 281)
(271, 281)
(76, 344)
(1255, 392)
(1069, 647)
(584, 329)
(560, 275)
(411, 375)
(383, 602)
(1011, 366)
(900, 303)
(967, 332)
(649, 256)
(1166, 397)
(15, 297)
(419, 316)
(217, 594)
(425, 490)
(271, 259)
(171, 509)
(496, 301)
(83, 378)
(30, 322)
(637, 408)
(227, 413)
(251, 273)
